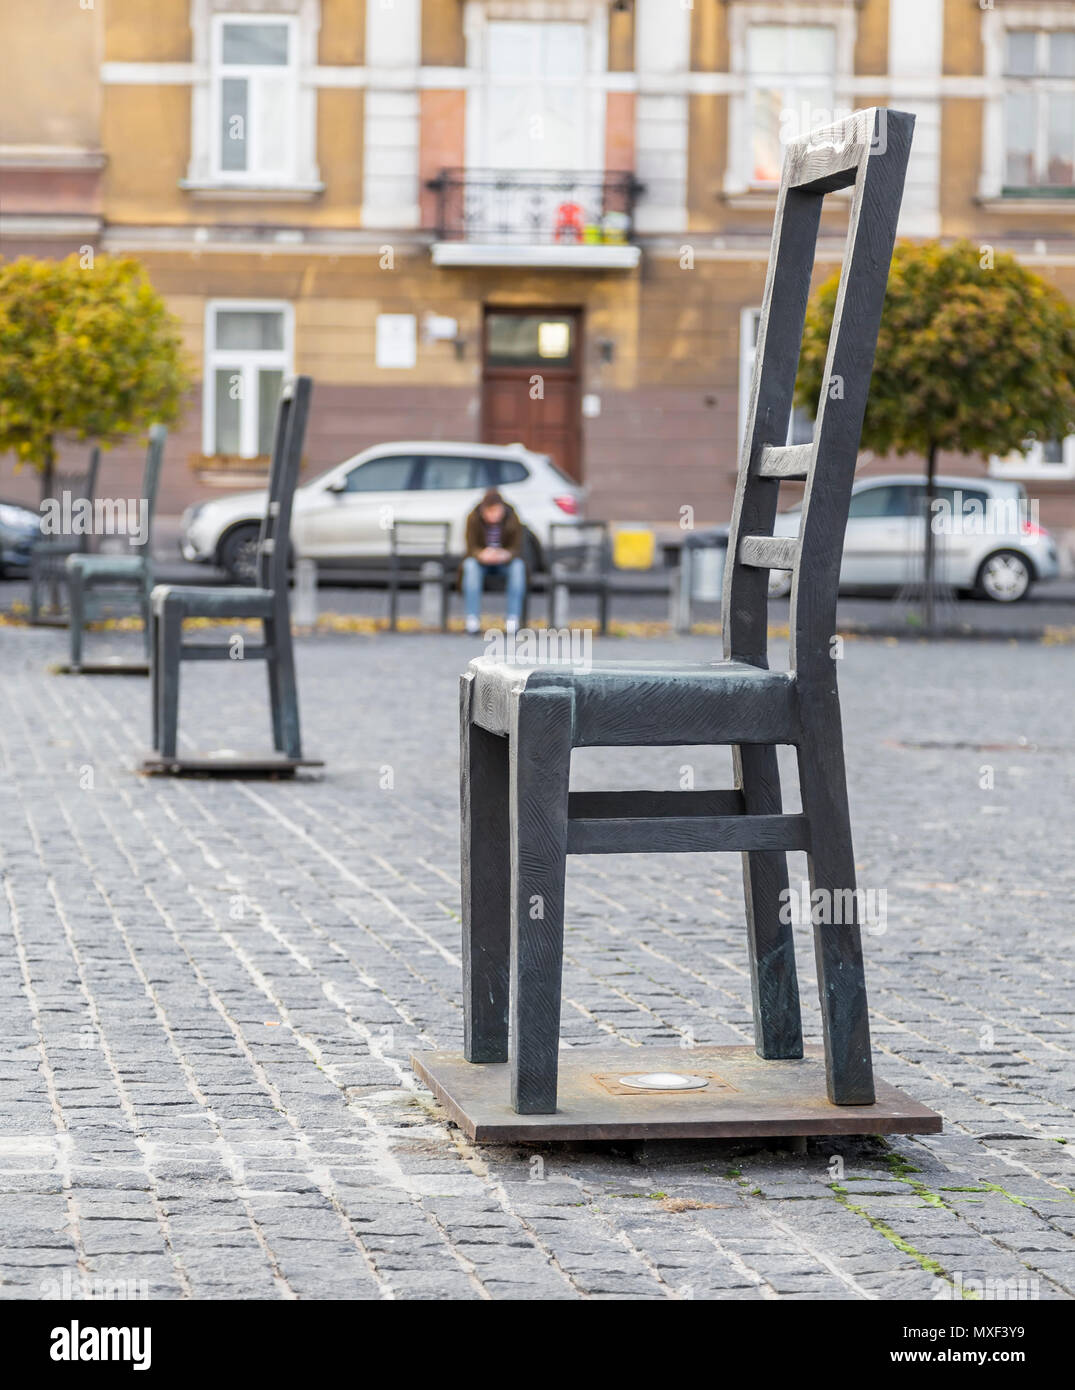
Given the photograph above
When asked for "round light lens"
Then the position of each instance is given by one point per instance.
(664, 1081)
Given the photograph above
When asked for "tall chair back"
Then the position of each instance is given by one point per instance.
(868, 153)
(289, 433)
(158, 435)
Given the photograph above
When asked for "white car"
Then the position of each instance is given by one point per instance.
(987, 540)
(343, 519)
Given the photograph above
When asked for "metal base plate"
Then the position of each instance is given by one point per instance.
(746, 1098)
(226, 762)
(111, 666)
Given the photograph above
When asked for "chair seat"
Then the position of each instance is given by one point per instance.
(105, 568)
(660, 703)
(204, 602)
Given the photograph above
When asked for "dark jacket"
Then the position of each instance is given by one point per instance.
(511, 536)
(511, 532)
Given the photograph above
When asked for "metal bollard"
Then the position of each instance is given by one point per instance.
(430, 592)
(561, 599)
(681, 592)
(304, 600)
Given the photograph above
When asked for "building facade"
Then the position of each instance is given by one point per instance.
(544, 220)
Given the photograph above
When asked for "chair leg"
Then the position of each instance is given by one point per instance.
(774, 985)
(393, 602)
(287, 688)
(837, 944)
(485, 865)
(539, 774)
(147, 637)
(170, 644)
(269, 628)
(76, 600)
(154, 630)
(35, 589)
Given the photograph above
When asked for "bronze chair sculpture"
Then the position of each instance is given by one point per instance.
(102, 577)
(48, 559)
(266, 602)
(519, 724)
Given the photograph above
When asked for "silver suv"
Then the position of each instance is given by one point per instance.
(344, 517)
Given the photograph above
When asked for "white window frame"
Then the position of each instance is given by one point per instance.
(995, 26)
(250, 73)
(839, 15)
(476, 18)
(1029, 463)
(204, 174)
(246, 361)
(748, 317)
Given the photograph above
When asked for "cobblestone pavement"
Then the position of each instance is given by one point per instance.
(211, 989)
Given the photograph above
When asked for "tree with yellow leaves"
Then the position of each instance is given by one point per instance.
(88, 350)
(976, 354)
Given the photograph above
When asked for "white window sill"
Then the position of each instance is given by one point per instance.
(763, 199)
(1022, 203)
(222, 191)
(1055, 473)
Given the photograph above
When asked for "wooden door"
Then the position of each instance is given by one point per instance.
(531, 385)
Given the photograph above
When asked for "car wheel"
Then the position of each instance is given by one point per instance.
(1005, 577)
(239, 553)
(779, 583)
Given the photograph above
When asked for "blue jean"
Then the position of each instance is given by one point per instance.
(474, 573)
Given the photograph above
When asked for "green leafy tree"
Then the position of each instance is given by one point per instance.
(88, 350)
(976, 354)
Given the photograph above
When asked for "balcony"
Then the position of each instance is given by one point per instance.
(494, 217)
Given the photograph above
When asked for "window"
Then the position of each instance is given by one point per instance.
(791, 76)
(1039, 109)
(801, 429)
(508, 471)
(247, 355)
(536, 95)
(255, 98)
(884, 501)
(383, 475)
(909, 499)
(439, 474)
(529, 340)
(793, 69)
(1055, 458)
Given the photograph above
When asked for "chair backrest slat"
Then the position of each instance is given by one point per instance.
(584, 546)
(868, 153)
(158, 435)
(420, 540)
(289, 433)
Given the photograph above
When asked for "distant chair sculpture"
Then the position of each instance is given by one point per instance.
(266, 602)
(105, 577)
(520, 724)
(48, 559)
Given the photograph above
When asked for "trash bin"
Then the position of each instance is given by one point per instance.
(701, 572)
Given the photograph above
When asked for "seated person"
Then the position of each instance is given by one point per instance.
(494, 537)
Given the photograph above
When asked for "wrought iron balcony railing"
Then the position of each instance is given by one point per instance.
(535, 208)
